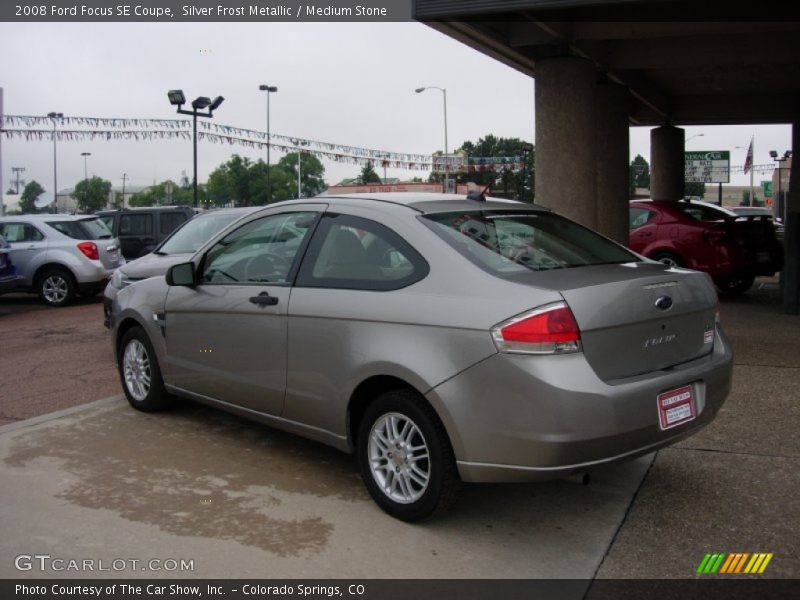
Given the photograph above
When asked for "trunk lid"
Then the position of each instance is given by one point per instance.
(624, 332)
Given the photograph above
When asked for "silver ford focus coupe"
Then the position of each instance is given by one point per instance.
(439, 338)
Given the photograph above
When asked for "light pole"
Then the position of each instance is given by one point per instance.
(85, 156)
(444, 100)
(271, 89)
(176, 98)
(53, 117)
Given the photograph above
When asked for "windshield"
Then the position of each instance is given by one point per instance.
(195, 233)
(514, 242)
(84, 229)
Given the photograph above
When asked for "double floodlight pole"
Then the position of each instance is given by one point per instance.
(176, 98)
(271, 89)
(419, 90)
(55, 117)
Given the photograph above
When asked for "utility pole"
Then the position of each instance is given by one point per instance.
(17, 171)
(124, 178)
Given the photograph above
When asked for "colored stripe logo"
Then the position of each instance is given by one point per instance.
(734, 563)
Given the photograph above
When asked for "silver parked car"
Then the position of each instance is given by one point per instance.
(178, 247)
(440, 338)
(59, 256)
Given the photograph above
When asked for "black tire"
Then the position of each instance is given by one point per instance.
(736, 284)
(147, 398)
(56, 286)
(668, 258)
(443, 483)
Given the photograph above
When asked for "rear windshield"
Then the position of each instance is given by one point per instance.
(700, 212)
(513, 242)
(85, 229)
(195, 233)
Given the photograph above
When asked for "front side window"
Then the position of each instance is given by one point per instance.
(136, 225)
(261, 251)
(354, 253)
(20, 232)
(505, 243)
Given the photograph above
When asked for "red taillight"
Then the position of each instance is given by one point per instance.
(89, 250)
(546, 330)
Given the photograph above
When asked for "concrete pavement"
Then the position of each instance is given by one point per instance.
(242, 500)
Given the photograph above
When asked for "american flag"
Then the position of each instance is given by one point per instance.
(748, 160)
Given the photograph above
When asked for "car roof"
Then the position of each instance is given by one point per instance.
(428, 202)
(240, 210)
(722, 209)
(48, 217)
(111, 211)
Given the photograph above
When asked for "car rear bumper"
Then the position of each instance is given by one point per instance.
(556, 417)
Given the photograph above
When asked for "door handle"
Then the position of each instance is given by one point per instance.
(264, 299)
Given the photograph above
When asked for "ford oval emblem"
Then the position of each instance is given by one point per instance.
(664, 302)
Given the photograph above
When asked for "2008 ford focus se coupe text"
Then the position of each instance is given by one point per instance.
(440, 338)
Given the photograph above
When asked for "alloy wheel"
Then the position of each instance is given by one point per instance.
(399, 458)
(136, 370)
(55, 289)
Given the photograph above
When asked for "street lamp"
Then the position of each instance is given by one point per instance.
(85, 156)
(419, 90)
(54, 116)
(270, 89)
(176, 98)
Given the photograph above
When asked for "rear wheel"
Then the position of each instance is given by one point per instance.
(736, 284)
(405, 457)
(668, 258)
(140, 374)
(56, 286)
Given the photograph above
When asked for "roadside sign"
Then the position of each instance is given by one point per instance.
(766, 187)
(708, 166)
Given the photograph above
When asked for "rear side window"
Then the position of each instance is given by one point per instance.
(508, 243)
(85, 229)
(136, 224)
(20, 232)
(639, 217)
(698, 212)
(349, 252)
(170, 221)
(108, 220)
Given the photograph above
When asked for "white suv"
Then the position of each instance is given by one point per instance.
(59, 256)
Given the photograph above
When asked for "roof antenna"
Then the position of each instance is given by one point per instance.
(473, 193)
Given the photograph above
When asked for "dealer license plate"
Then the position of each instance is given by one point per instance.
(676, 407)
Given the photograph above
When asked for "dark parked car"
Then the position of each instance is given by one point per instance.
(140, 230)
(733, 250)
(763, 213)
(8, 273)
(439, 338)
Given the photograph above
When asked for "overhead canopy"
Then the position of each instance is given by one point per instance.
(701, 72)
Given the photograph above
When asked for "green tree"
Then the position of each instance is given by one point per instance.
(29, 194)
(92, 194)
(512, 183)
(694, 189)
(157, 195)
(312, 173)
(368, 174)
(639, 174)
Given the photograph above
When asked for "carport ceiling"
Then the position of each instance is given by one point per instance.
(701, 72)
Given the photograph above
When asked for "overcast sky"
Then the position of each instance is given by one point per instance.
(345, 83)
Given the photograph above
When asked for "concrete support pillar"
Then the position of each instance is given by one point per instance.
(612, 155)
(565, 138)
(667, 164)
(791, 269)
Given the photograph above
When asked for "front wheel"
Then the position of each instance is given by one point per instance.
(405, 457)
(668, 258)
(736, 284)
(140, 374)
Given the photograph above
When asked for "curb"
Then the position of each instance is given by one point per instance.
(60, 414)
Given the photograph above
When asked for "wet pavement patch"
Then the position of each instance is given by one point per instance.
(195, 471)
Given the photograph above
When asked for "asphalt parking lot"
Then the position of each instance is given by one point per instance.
(241, 500)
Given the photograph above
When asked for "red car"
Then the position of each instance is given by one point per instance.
(732, 249)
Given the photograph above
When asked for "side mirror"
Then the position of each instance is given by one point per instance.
(182, 274)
